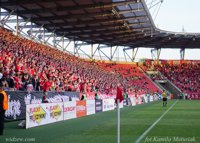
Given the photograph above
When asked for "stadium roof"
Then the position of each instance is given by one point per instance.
(110, 22)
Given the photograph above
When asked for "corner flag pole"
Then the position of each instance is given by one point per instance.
(119, 98)
(118, 121)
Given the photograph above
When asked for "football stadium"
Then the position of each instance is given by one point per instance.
(70, 72)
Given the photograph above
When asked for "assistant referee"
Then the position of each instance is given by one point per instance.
(164, 95)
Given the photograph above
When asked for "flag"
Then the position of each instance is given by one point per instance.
(119, 98)
(119, 95)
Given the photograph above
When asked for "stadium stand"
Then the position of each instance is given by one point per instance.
(185, 75)
(134, 77)
(26, 65)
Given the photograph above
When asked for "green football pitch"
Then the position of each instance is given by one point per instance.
(179, 122)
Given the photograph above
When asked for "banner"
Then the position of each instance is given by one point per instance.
(90, 106)
(133, 101)
(151, 99)
(80, 108)
(41, 114)
(19, 99)
(121, 104)
(125, 102)
(108, 104)
(145, 99)
(128, 101)
(16, 106)
(98, 106)
(69, 110)
(139, 100)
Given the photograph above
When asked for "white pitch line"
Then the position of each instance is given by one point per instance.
(149, 129)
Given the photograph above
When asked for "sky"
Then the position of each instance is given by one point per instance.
(174, 15)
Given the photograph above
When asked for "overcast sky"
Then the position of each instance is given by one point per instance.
(173, 16)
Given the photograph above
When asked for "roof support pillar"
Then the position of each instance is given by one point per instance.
(158, 55)
(63, 44)
(124, 51)
(155, 54)
(182, 53)
(95, 50)
(37, 32)
(17, 24)
(98, 48)
(31, 33)
(49, 37)
(43, 35)
(104, 54)
(134, 53)
(57, 45)
(65, 49)
(78, 48)
(74, 47)
(92, 48)
(114, 52)
(110, 53)
(54, 38)
(158, 50)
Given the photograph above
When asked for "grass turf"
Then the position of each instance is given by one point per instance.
(183, 120)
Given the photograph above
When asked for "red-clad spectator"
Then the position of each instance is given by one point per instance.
(47, 69)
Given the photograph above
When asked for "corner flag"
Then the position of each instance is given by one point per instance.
(119, 98)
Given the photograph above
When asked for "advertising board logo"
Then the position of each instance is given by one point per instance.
(37, 114)
(55, 111)
(80, 108)
(69, 109)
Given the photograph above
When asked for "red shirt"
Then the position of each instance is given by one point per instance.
(47, 86)
(17, 68)
(17, 82)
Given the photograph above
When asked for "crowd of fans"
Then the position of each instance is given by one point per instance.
(185, 76)
(26, 65)
(134, 77)
(152, 71)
